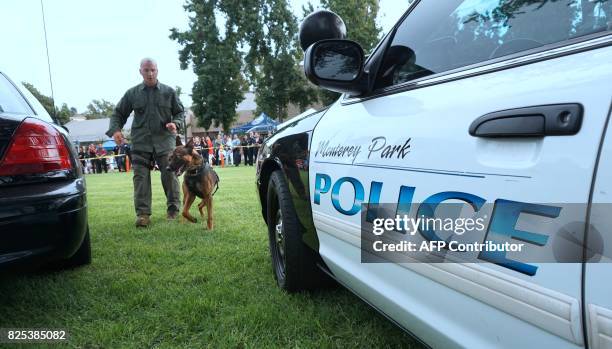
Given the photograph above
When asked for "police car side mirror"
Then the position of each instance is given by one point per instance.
(335, 65)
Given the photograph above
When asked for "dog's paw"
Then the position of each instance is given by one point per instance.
(190, 218)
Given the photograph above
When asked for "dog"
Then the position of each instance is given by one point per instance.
(200, 180)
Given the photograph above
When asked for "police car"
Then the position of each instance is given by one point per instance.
(499, 105)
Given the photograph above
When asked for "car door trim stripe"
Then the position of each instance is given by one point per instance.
(548, 309)
(403, 169)
(425, 170)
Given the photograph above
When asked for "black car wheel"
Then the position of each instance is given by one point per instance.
(81, 257)
(293, 262)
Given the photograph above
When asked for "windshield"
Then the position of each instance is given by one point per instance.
(438, 36)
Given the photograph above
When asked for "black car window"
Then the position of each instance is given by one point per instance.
(11, 101)
(438, 36)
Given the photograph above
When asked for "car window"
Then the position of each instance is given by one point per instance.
(438, 36)
(11, 101)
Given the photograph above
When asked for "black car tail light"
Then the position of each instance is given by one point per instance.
(36, 147)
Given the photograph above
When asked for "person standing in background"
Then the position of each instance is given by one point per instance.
(82, 157)
(229, 158)
(91, 151)
(236, 150)
(197, 144)
(210, 151)
(250, 149)
(244, 144)
(258, 142)
(217, 145)
(100, 156)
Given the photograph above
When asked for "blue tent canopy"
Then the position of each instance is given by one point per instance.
(109, 144)
(262, 123)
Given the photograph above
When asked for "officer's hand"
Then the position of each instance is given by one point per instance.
(118, 137)
(171, 126)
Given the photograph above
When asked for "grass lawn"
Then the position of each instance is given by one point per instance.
(176, 285)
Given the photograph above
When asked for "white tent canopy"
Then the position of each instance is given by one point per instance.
(92, 130)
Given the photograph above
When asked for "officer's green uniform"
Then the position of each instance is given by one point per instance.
(153, 108)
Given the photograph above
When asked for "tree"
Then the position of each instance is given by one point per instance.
(266, 30)
(64, 114)
(216, 61)
(360, 19)
(61, 115)
(273, 61)
(99, 109)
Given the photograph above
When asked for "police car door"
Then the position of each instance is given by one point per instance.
(476, 102)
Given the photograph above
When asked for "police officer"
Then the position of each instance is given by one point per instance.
(158, 116)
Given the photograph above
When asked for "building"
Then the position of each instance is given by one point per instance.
(92, 131)
(245, 111)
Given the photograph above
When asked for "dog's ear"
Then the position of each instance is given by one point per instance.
(178, 141)
(189, 146)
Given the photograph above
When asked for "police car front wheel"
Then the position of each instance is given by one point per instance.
(293, 263)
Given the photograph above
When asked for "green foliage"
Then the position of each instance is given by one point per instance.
(65, 113)
(46, 101)
(266, 31)
(273, 62)
(61, 115)
(360, 19)
(216, 61)
(99, 109)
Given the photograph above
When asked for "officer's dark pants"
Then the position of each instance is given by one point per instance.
(249, 159)
(142, 182)
(236, 157)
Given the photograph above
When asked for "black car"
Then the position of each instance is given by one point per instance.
(43, 202)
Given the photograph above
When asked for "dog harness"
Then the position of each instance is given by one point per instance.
(194, 177)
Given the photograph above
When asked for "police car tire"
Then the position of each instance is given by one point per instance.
(300, 269)
(81, 257)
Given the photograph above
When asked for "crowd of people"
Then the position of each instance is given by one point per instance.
(224, 150)
(227, 150)
(95, 159)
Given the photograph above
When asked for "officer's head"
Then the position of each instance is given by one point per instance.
(148, 70)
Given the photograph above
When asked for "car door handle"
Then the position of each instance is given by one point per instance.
(536, 121)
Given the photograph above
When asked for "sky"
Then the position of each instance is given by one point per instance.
(95, 47)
